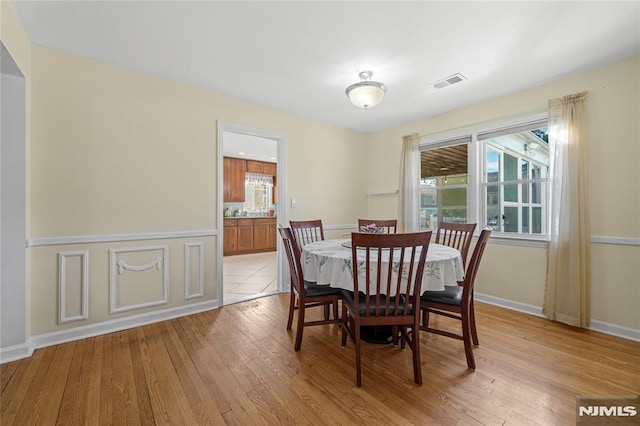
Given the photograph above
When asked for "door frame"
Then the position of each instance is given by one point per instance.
(14, 274)
(281, 220)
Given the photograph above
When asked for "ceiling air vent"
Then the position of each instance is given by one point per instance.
(452, 79)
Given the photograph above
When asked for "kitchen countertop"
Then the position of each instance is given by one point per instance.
(250, 217)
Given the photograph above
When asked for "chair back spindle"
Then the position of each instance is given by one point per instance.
(456, 235)
(307, 231)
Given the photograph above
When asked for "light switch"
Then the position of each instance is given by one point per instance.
(293, 203)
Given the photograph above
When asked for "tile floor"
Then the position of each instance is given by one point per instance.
(248, 275)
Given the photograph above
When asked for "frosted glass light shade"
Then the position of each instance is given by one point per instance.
(367, 93)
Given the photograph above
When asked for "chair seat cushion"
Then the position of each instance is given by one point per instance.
(362, 309)
(452, 295)
(312, 289)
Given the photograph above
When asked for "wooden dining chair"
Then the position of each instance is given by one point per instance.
(306, 294)
(383, 296)
(307, 231)
(456, 235)
(457, 302)
(389, 225)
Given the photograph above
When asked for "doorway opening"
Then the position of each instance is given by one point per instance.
(250, 183)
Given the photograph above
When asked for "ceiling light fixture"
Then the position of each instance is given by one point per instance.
(366, 93)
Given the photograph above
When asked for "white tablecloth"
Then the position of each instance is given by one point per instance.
(330, 262)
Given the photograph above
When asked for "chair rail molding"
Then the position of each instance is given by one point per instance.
(110, 238)
(379, 193)
(625, 241)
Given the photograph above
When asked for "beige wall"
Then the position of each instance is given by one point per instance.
(112, 152)
(515, 272)
(120, 152)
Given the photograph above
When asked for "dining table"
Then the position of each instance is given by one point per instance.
(330, 262)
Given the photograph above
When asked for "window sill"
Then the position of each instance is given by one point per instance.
(525, 241)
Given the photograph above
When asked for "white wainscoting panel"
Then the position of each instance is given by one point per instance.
(156, 277)
(82, 290)
(189, 280)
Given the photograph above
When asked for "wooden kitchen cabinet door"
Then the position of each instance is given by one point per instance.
(264, 234)
(245, 235)
(270, 169)
(230, 237)
(262, 168)
(234, 170)
(255, 167)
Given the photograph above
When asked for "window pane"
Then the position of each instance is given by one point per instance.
(510, 219)
(493, 208)
(524, 166)
(454, 205)
(511, 193)
(510, 168)
(536, 220)
(454, 180)
(443, 185)
(429, 207)
(510, 173)
(535, 187)
(525, 220)
(493, 166)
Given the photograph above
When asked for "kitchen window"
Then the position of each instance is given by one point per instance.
(497, 178)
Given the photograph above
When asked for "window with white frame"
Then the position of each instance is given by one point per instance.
(444, 182)
(497, 178)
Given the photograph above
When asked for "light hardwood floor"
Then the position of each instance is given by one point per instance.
(236, 365)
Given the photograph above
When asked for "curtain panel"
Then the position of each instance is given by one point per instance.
(567, 287)
(409, 192)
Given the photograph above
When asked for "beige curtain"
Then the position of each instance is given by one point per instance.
(568, 258)
(409, 193)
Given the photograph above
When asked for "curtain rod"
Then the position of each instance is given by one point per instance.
(479, 123)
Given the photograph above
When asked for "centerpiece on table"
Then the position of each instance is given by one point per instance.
(372, 228)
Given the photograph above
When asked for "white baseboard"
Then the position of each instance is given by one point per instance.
(43, 340)
(509, 304)
(15, 352)
(595, 325)
(615, 330)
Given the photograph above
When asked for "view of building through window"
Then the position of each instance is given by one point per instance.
(517, 166)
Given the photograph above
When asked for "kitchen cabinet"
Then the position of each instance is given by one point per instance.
(243, 236)
(264, 234)
(262, 168)
(233, 172)
(270, 169)
(230, 236)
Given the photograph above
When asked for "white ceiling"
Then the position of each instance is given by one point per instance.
(249, 147)
(299, 56)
